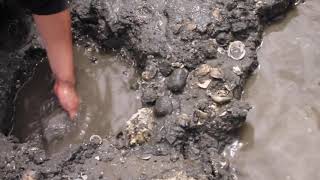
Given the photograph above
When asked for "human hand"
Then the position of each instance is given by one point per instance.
(68, 97)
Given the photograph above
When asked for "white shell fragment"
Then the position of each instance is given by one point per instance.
(236, 50)
(221, 96)
(205, 84)
(96, 139)
(237, 70)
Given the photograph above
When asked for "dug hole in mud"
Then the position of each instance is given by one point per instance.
(193, 59)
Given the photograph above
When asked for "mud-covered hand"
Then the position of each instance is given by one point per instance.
(55, 31)
(68, 97)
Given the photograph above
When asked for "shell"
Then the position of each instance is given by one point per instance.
(237, 70)
(203, 70)
(236, 50)
(221, 96)
(216, 73)
(205, 84)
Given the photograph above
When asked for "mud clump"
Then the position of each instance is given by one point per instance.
(190, 88)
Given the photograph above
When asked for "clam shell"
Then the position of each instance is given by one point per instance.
(236, 50)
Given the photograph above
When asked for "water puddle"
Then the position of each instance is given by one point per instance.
(281, 138)
(107, 101)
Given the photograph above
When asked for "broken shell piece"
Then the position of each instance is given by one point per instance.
(147, 75)
(237, 70)
(201, 114)
(139, 126)
(205, 84)
(216, 14)
(96, 139)
(203, 70)
(216, 73)
(191, 26)
(236, 50)
(221, 96)
(177, 65)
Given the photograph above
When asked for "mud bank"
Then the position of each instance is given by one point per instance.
(194, 58)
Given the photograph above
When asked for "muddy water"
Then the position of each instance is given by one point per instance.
(106, 99)
(282, 138)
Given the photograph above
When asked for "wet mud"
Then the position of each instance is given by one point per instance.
(192, 60)
(283, 141)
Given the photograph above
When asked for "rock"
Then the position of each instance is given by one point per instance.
(165, 68)
(208, 48)
(149, 97)
(163, 106)
(150, 70)
(223, 38)
(177, 80)
(221, 96)
(139, 126)
(216, 14)
(203, 70)
(56, 126)
(239, 27)
(216, 73)
(205, 84)
(236, 50)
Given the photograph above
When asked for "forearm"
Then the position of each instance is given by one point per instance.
(55, 31)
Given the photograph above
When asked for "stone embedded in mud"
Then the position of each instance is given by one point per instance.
(149, 73)
(236, 50)
(177, 80)
(221, 96)
(139, 126)
(55, 126)
(163, 106)
(208, 48)
(165, 68)
(149, 96)
(223, 38)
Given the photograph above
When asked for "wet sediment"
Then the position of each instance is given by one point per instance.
(194, 58)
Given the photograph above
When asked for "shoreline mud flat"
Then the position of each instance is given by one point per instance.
(194, 58)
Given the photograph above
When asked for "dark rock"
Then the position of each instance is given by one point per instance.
(163, 106)
(177, 80)
(165, 68)
(224, 38)
(149, 96)
(149, 72)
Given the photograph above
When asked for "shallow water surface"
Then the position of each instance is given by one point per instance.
(107, 101)
(282, 138)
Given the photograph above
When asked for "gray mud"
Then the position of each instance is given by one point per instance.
(283, 140)
(193, 59)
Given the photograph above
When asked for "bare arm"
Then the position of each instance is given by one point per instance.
(55, 30)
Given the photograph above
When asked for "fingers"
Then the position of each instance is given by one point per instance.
(68, 98)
